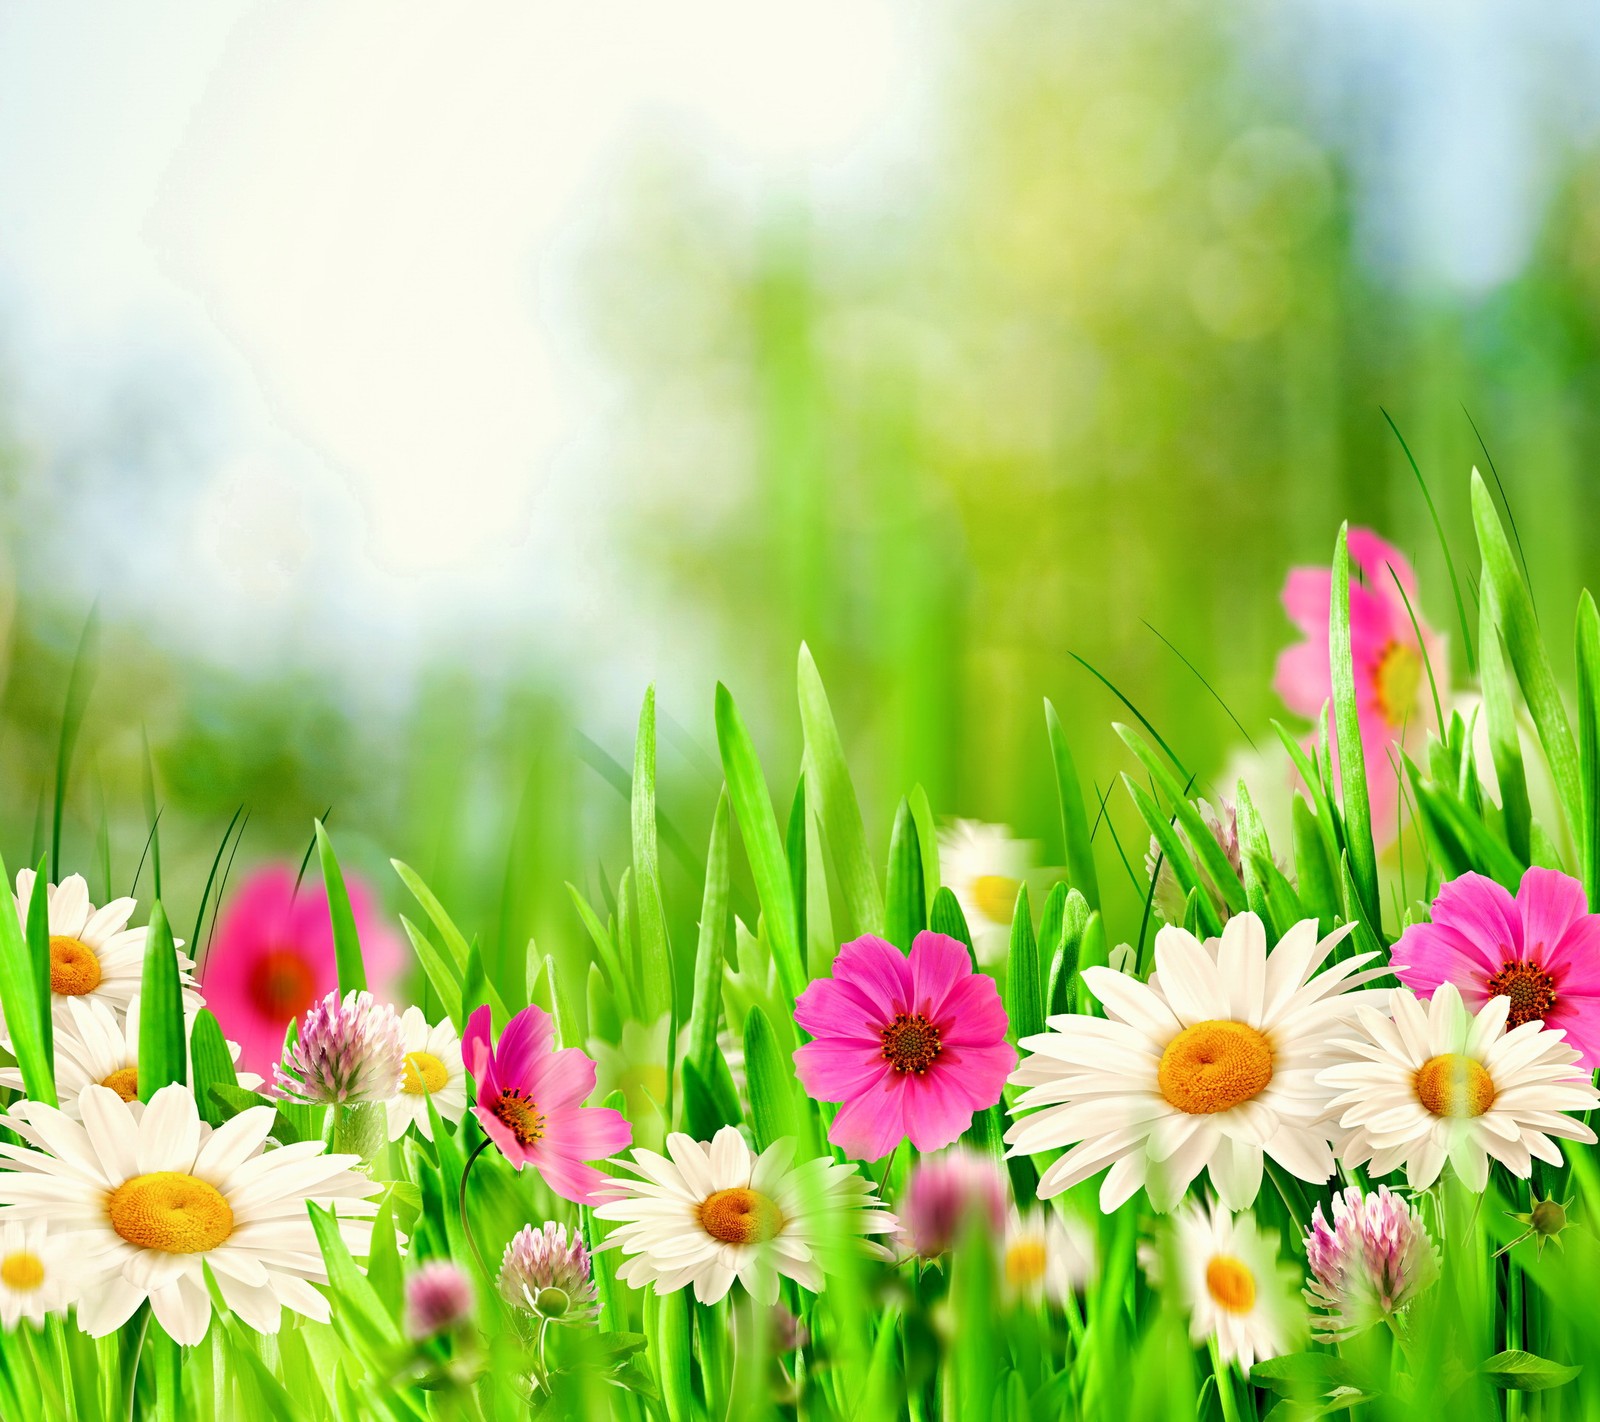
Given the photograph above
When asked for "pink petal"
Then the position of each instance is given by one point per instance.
(527, 1037)
(973, 1015)
(879, 970)
(1579, 1016)
(1306, 595)
(870, 1125)
(559, 1080)
(584, 1133)
(1482, 912)
(1302, 678)
(1550, 903)
(831, 1007)
(497, 1131)
(976, 1074)
(938, 964)
(477, 1052)
(935, 1113)
(575, 1181)
(1374, 557)
(833, 1070)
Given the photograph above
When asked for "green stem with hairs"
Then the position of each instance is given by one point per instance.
(461, 1202)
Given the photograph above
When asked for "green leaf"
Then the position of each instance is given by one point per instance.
(927, 838)
(211, 1062)
(1505, 744)
(758, 825)
(1176, 855)
(1303, 1373)
(346, 943)
(710, 959)
(1512, 612)
(79, 682)
(1024, 998)
(1064, 962)
(38, 930)
(708, 1099)
(605, 946)
(454, 940)
(1363, 857)
(1319, 889)
(1074, 816)
(770, 1079)
(905, 912)
(794, 849)
(1527, 1372)
(1094, 953)
(946, 918)
(668, 1320)
(360, 1312)
(1588, 836)
(161, 1036)
(443, 975)
(655, 948)
(843, 831)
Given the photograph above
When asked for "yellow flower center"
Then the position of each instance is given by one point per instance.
(740, 1216)
(424, 1074)
(1399, 680)
(171, 1212)
(910, 1043)
(1025, 1262)
(1231, 1285)
(1213, 1066)
(74, 969)
(22, 1271)
(125, 1082)
(996, 896)
(521, 1117)
(1455, 1085)
(1532, 991)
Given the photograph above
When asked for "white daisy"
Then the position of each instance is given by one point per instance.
(709, 1213)
(93, 952)
(38, 1273)
(983, 866)
(145, 1201)
(96, 1048)
(1233, 1284)
(433, 1070)
(1433, 1081)
(1046, 1257)
(1208, 1065)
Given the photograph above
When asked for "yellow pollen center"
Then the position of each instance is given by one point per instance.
(22, 1271)
(1214, 1066)
(740, 1216)
(171, 1212)
(423, 1074)
(74, 969)
(1399, 680)
(521, 1117)
(996, 896)
(1025, 1262)
(125, 1082)
(1231, 1285)
(1455, 1085)
(1532, 991)
(910, 1043)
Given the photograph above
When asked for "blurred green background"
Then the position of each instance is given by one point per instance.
(1080, 335)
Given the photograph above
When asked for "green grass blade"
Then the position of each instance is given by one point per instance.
(346, 943)
(710, 959)
(1173, 852)
(1512, 612)
(27, 1010)
(905, 911)
(1363, 856)
(771, 1081)
(79, 682)
(1589, 742)
(38, 931)
(843, 830)
(1024, 995)
(758, 826)
(1505, 744)
(927, 838)
(946, 918)
(197, 939)
(210, 1061)
(1074, 816)
(795, 851)
(442, 974)
(655, 948)
(162, 1048)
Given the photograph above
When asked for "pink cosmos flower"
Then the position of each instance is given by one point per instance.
(912, 1046)
(273, 957)
(1541, 949)
(1391, 676)
(530, 1101)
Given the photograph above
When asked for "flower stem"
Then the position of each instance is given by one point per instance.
(130, 1362)
(461, 1201)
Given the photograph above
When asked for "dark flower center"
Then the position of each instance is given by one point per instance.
(520, 1116)
(911, 1043)
(282, 984)
(1532, 991)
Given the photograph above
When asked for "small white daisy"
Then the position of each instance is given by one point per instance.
(93, 952)
(708, 1213)
(38, 1274)
(984, 867)
(96, 1048)
(146, 1201)
(1046, 1257)
(1433, 1082)
(1233, 1284)
(432, 1070)
(1209, 1065)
